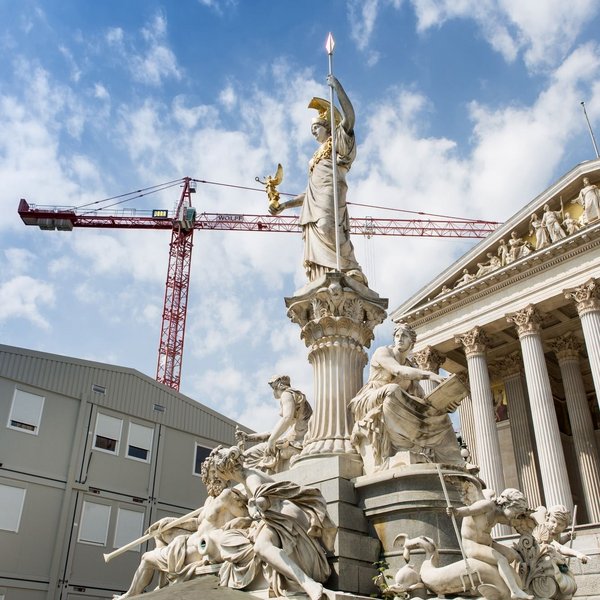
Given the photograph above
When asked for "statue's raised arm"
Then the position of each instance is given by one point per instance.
(348, 116)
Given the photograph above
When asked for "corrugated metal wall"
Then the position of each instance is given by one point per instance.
(126, 390)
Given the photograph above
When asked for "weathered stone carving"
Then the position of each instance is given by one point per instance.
(539, 557)
(528, 320)
(503, 252)
(586, 296)
(485, 569)
(284, 540)
(537, 228)
(392, 414)
(181, 550)
(551, 221)
(589, 198)
(429, 359)
(507, 366)
(493, 263)
(566, 347)
(474, 341)
(465, 278)
(543, 567)
(518, 248)
(570, 225)
(277, 447)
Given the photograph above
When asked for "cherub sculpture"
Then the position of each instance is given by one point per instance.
(545, 565)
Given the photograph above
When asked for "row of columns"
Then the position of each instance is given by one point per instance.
(478, 418)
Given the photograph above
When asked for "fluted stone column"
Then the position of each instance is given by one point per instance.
(567, 349)
(475, 343)
(467, 428)
(509, 369)
(337, 316)
(431, 360)
(553, 469)
(587, 299)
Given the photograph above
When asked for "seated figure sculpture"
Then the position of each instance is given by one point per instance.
(277, 447)
(391, 413)
(289, 534)
(180, 550)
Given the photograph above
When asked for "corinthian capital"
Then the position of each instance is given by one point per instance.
(586, 296)
(566, 347)
(527, 321)
(507, 366)
(474, 341)
(429, 359)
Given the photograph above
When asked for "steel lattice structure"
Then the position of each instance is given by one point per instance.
(184, 221)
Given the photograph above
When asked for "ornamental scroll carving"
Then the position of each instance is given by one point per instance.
(566, 347)
(336, 309)
(586, 296)
(507, 366)
(527, 321)
(429, 359)
(474, 341)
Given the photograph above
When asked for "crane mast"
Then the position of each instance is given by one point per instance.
(172, 330)
(184, 221)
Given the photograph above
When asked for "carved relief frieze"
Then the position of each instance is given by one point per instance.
(540, 233)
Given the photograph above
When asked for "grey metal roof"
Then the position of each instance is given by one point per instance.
(126, 390)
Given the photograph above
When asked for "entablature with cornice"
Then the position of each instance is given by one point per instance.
(488, 267)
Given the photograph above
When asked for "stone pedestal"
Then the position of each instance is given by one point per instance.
(411, 500)
(337, 316)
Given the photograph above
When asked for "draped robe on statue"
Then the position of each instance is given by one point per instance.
(305, 548)
(317, 216)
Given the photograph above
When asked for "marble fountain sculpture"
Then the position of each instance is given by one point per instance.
(368, 473)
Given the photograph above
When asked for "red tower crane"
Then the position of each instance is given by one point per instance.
(184, 221)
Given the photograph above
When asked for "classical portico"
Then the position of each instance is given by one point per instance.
(526, 330)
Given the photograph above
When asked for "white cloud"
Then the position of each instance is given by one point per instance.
(101, 92)
(228, 97)
(515, 152)
(159, 61)
(115, 36)
(17, 260)
(543, 30)
(362, 15)
(219, 6)
(24, 297)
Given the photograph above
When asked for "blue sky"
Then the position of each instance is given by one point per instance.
(466, 108)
